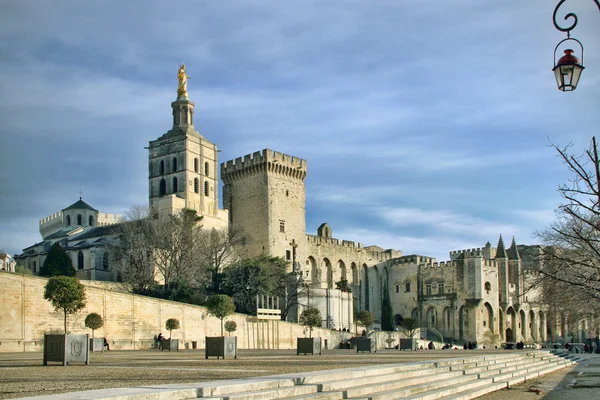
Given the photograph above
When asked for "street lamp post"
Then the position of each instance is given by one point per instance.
(567, 70)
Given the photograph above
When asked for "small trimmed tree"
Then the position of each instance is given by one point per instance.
(171, 325)
(220, 306)
(57, 263)
(409, 326)
(230, 326)
(311, 317)
(364, 318)
(387, 314)
(65, 293)
(93, 321)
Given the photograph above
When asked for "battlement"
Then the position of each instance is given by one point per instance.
(320, 240)
(52, 219)
(412, 260)
(272, 161)
(467, 252)
(440, 264)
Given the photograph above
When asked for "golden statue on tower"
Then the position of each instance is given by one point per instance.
(182, 76)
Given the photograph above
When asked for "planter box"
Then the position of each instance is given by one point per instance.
(170, 344)
(308, 346)
(97, 344)
(407, 344)
(72, 348)
(366, 344)
(220, 346)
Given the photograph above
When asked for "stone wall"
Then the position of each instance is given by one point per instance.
(130, 321)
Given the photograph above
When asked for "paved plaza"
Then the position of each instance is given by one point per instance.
(22, 374)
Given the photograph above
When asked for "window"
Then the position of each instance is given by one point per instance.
(91, 220)
(162, 167)
(174, 164)
(34, 267)
(79, 219)
(163, 187)
(484, 323)
(440, 288)
(288, 255)
(206, 168)
(175, 185)
(282, 226)
(196, 184)
(407, 286)
(80, 260)
(428, 289)
(105, 261)
(68, 220)
(206, 188)
(196, 166)
(287, 192)
(488, 287)
(397, 288)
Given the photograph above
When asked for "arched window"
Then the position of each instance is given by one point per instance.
(206, 188)
(79, 219)
(195, 165)
(407, 286)
(163, 187)
(80, 260)
(488, 287)
(196, 185)
(68, 220)
(162, 167)
(105, 261)
(175, 185)
(174, 164)
(91, 220)
(206, 168)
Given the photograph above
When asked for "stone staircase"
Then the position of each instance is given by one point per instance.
(450, 379)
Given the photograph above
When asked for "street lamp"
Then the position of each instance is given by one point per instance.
(568, 68)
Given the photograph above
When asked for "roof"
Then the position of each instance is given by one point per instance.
(80, 205)
(501, 251)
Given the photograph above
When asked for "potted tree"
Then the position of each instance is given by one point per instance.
(66, 294)
(94, 321)
(230, 326)
(220, 306)
(171, 344)
(310, 317)
(410, 327)
(363, 343)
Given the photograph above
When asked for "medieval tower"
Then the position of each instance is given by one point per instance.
(265, 196)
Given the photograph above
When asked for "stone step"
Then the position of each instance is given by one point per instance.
(392, 392)
(452, 390)
(402, 375)
(235, 386)
(476, 392)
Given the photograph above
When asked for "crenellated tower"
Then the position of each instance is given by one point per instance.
(265, 196)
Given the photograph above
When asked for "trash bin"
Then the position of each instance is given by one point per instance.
(194, 344)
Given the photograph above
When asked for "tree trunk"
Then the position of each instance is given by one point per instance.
(65, 311)
(221, 326)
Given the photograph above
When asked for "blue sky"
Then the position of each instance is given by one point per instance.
(425, 124)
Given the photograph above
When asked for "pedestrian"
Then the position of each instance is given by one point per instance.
(159, 339)
(106, 344)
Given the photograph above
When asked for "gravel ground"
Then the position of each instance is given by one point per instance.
(22, 374)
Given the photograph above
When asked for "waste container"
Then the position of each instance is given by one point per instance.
(194, 344)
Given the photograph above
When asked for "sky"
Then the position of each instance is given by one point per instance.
(425, 125)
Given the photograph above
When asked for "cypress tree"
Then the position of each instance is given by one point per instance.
(387, 315)
(57, 263)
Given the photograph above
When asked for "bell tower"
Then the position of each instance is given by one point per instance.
(182, 164)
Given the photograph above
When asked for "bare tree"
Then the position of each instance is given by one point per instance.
(219, 249)
(570, 257)
(176, 252)
(131, 251)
